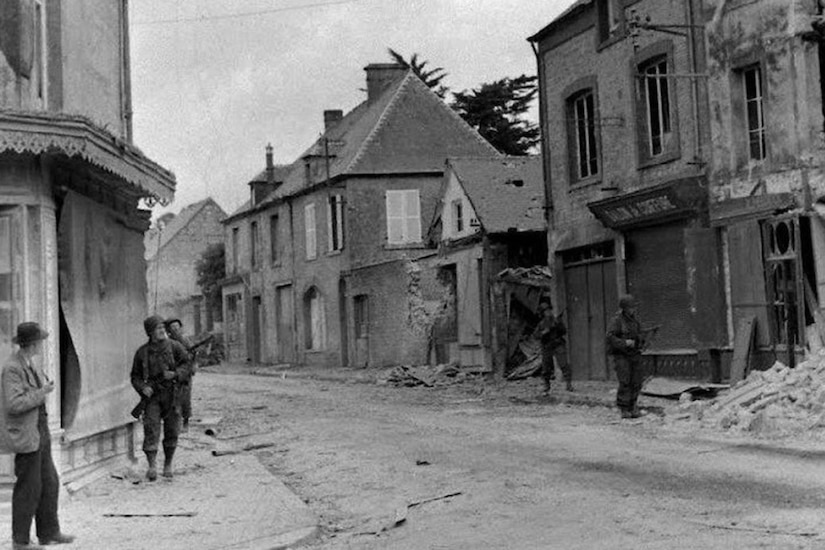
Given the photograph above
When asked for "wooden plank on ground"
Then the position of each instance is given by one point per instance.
(745, 331)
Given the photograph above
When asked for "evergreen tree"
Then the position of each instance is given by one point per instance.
(496, 110)
(210, 269)
(430, 77)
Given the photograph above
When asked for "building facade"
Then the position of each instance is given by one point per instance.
(71, 229)
(321, 268)
(626, 142)
(172, 253)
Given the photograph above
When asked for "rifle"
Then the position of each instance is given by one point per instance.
(141, 406)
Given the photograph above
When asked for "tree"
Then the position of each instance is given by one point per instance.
(496, 110)
(431, 77)
(210, 269)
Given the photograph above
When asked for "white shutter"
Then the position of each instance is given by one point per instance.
(395, 217)
(309, 227)
(412, 217)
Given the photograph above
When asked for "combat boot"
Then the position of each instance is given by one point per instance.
(152, 470)
(168, 455)
(569, 385)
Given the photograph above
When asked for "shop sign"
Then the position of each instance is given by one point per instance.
(682, 198)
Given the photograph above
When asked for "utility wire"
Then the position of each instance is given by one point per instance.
(206, 18)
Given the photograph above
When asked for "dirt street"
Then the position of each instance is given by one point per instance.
(530, 474)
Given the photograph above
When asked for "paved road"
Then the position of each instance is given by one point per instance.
(530, 474)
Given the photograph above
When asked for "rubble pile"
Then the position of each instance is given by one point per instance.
(774, 402)
(426, 375)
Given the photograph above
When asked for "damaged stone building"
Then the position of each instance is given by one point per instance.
(683, 144)
(321, 262)
(71, 230)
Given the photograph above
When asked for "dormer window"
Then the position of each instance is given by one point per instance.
(458, 216)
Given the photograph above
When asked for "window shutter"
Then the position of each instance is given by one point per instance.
(395, 217)
(309, 223)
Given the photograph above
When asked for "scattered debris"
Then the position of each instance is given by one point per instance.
(659, 386)
(422, 463)
(158, 515)
(433, 499)
(531, 349)
(777, 401)
(427, 375)
(238, 450)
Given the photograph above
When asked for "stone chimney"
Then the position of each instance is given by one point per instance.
(260, 189)
(380, 75)
(332, 118)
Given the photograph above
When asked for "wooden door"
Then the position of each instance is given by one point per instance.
(285, 341)
(362, 333)
(257, 330)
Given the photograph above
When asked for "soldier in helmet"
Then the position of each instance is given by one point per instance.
(174, 328)
(157, 368)
(624, 343)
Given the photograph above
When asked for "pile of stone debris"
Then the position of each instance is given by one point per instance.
(427, 375)
(776, 402)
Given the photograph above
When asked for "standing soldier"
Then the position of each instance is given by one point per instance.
(624, 343)
(158, 365)
(551, 333)
(174, 327)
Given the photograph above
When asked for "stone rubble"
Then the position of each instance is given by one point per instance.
(776, 402)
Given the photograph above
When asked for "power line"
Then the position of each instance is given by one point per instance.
(206, 18)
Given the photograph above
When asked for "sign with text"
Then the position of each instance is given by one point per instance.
(680, 198)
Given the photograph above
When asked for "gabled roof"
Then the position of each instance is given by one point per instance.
(507, 193)
(575, 8)
(406, 129)
(175, 226)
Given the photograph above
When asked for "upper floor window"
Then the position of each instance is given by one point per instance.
(658, 138)
(40, 63)
(610, 16)
(584, 147)
(403, 217)
(273, 238)
(253, 244)
(335, 222)
(310, 232)
(458, 215)
(754, 113)
(235, 251)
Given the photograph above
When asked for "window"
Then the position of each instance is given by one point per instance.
(314, 325)
(310, 232)
(657, 103)
(584, 150)
(273, 238)
(754, 113)
(656, 111)
(253, 244)
(235, 243)
(403, 217)
(335, 225)
(610, 17)
(458, 215)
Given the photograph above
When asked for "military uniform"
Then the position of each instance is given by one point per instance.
(626, 327)
(551, 332)
(185, 386)
(152, 360)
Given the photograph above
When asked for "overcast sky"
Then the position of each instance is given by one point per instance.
(212, 85)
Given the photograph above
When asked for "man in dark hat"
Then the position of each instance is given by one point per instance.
(624, 343)
(158, 366)
(174, 328)
(25, 432)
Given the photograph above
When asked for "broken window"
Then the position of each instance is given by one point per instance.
(754, 113)
(657, 102)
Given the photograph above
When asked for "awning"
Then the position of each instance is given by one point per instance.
(730, 211)
(76, 136)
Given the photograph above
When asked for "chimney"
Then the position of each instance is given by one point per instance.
(260, 189)
(380, 75)
(332, 118)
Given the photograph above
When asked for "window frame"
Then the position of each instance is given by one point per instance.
(606, 33)
(655, 55)
(759, 100)
(458, 215)
(310, 232)
(254, 255)
(583, 87)
(274, 222)
(335, 223)
(405, 218)
(236, 239)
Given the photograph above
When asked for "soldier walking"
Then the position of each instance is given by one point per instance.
(158, 366)
(551, 333)
(624, 343)
(174, 327)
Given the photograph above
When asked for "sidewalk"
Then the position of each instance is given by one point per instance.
(226, 502)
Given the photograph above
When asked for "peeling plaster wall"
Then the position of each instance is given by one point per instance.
(767, 32)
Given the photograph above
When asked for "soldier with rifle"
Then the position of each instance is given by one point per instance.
(626, 340)
(159, 365)
(551, 333)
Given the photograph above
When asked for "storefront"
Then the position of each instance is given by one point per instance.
(671, 263)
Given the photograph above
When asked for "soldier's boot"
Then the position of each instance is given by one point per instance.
(569, 385)
(168, 455)
(152, 470)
